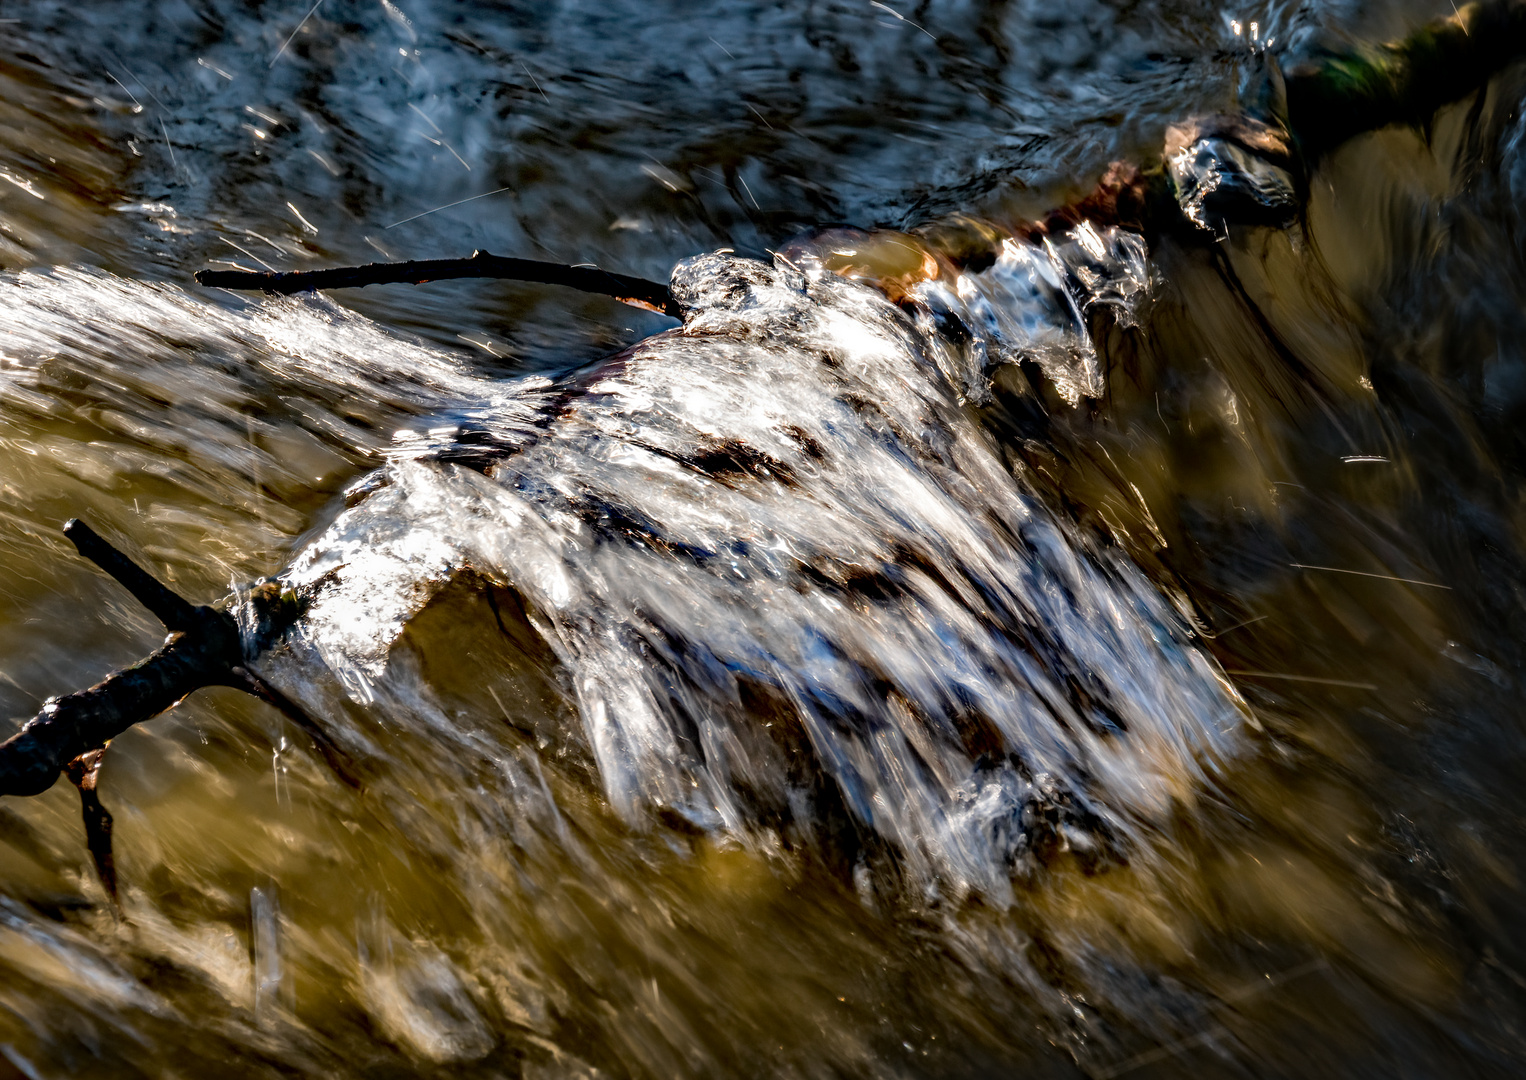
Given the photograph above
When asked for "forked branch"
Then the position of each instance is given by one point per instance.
(204, 648)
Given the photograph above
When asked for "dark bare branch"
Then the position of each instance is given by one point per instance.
(168, 608)
(338, 761)
(84, 772)
(630, 290)
(205, 648)
(70, 726)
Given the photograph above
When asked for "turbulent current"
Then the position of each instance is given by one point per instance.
(1001, 636)
(785, 583)
(780, 510)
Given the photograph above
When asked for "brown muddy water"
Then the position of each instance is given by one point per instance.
(653, 779)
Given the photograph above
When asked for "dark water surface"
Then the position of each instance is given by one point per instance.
(1154, 712)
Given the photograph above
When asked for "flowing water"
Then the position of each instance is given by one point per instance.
(1105, 661)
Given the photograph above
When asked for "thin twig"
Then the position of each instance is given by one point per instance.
(534, 80)
(892, 11)
(1237, 626)
(1301, 678)
(1364, 573)
(165, 605)
(338, 761)
(447, 206)
(84, 772)
(630, 290)
(290, 37)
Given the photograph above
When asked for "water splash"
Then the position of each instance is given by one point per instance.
(1033, 304)
(774, 532)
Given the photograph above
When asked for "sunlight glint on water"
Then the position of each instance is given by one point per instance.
(584, 687)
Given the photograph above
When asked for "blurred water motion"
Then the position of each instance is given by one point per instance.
(1287, 464)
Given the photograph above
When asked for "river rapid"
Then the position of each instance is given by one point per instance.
(1105, 661)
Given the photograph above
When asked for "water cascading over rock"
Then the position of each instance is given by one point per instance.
(773, 546)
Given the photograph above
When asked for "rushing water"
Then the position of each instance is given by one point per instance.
(1100, 662)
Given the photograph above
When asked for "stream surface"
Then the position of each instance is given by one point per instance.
(1104, 663)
